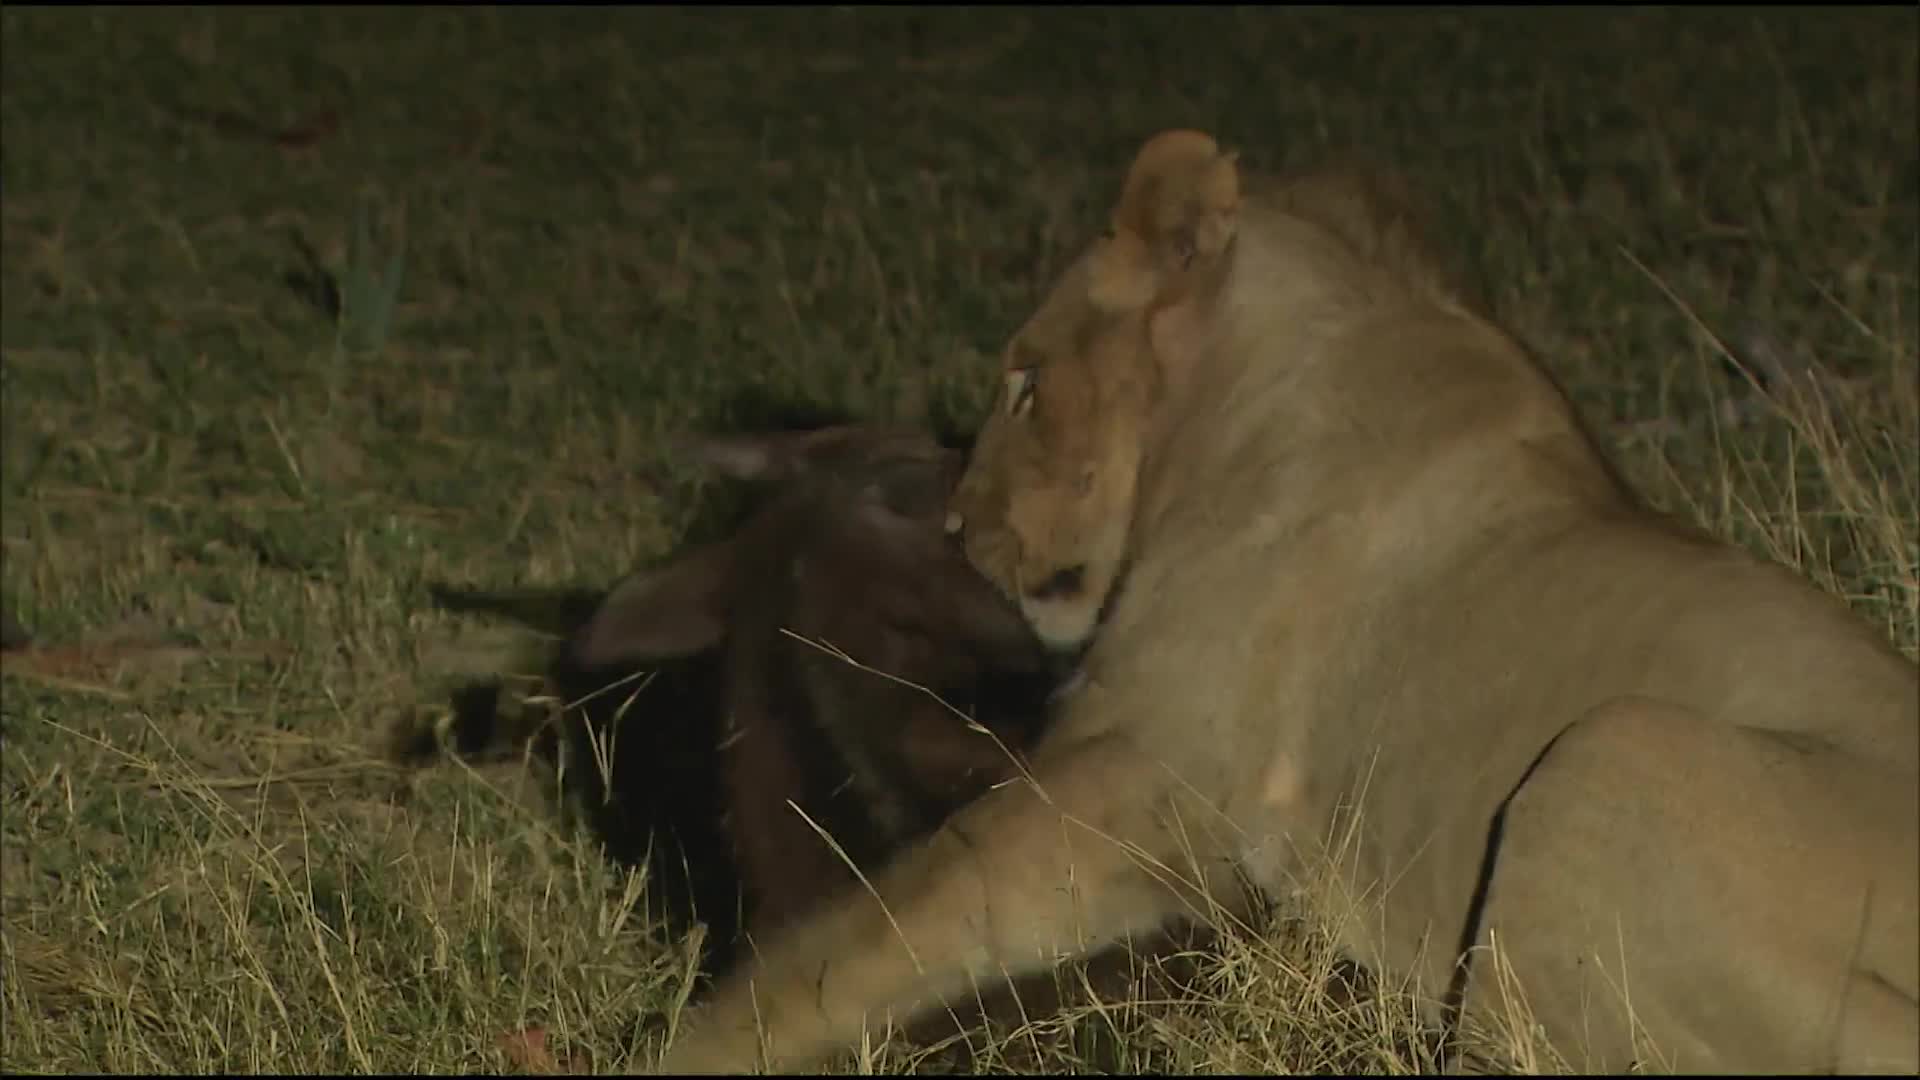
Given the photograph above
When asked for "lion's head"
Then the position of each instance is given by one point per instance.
(1047, 500)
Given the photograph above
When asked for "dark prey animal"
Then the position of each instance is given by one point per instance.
(832, 666)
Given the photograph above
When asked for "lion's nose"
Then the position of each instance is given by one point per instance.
(955, 523)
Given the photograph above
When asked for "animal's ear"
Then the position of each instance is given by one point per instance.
(1176, 216)
(674, 610)
(1121, 277)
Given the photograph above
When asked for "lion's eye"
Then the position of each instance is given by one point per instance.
(1020, 384)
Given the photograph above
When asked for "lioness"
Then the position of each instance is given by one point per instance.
(1377, 623)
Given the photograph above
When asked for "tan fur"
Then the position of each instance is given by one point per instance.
(1388, 626)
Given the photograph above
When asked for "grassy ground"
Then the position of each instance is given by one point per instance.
(233, 451)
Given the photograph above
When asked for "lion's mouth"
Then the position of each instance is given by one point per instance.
(1063, 584)
(997, 558)
(1062, 592)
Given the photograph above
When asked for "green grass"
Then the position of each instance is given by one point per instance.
(253, 396)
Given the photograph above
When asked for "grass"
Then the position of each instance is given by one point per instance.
(304, 308)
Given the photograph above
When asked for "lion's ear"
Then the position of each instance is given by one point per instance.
(1172, 226)
(1178, 208)
(1122, 275)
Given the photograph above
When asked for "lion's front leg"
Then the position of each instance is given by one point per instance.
(1030, 872)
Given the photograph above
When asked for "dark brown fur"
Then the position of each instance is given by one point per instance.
(844, 552)
(848, 554)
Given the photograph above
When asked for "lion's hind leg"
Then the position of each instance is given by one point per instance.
(1703, 897)
(1028, 873)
